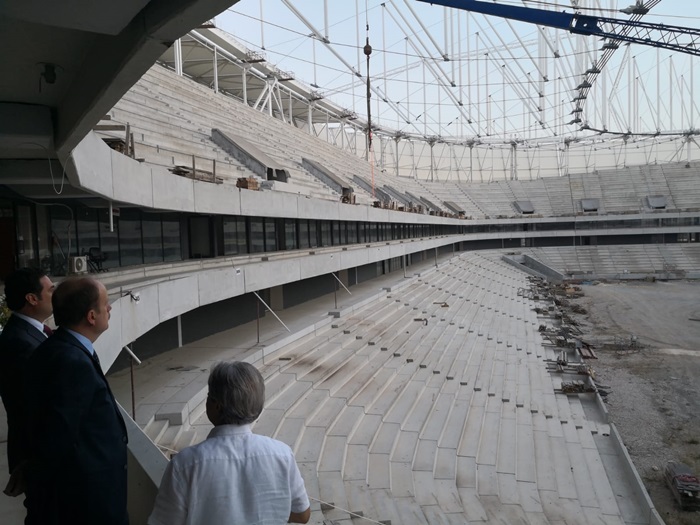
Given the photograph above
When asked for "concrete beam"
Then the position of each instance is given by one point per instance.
(115, 63)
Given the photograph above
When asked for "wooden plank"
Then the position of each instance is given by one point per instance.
(109, 127)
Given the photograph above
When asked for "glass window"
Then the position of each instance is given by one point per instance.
(152, 238)
(43, 237)
(88, 230)
(200, 240)
(290, 234)
(270, 235)
(63, 235)
(336, 233)
(353, 232)
(130, 247)
(25, 236)
(242, 235)
(343, 232)
(109, 240)
(361, 235)
(257, 238)
(373, 229)
(325, 227)
(230, 228)
(172, 249)
(313, 234)
(303, 233)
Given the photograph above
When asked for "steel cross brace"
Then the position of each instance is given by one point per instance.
(656, 35)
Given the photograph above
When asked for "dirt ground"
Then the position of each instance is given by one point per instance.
(653, 385)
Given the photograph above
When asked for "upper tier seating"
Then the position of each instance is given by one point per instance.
(172, 118)
(617, 261)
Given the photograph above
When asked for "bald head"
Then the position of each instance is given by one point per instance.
(82, 304)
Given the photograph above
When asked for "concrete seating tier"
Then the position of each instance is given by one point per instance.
(176, 116)
(533, 191)
(172, 118)
(433, 404)
(629, 260)
(682, 181)
(286, 144)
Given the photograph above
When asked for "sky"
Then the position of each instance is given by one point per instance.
(495, 72)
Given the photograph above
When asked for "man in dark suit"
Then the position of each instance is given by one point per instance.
(77, 470)
(28, 294)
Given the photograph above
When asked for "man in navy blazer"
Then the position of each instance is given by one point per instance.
(77, 471)
(28, 294)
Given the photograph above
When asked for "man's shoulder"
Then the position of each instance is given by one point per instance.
(63, 347)
(16, 333)
(13, 327)
(220, 446)
(270, 445)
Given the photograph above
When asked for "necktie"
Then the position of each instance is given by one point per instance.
(47, 331)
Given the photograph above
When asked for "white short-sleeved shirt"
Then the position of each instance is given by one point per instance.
(233, 477)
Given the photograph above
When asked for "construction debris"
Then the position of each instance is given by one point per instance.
(248, 183)
(576, 387)
(684, 485)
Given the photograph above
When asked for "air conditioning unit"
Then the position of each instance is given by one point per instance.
(77, 264)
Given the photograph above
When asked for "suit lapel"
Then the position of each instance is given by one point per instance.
(23, 326)
(68, 338)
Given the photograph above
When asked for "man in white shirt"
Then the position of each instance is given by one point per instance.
(234, 476)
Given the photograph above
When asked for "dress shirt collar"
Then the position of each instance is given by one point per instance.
(82, 340)
(36, 324)
(229, 430)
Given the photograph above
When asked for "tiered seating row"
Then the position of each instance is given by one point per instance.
(172, 118)
(434, 405)
(618, 261)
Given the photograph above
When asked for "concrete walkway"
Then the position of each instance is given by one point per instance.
(158, 378)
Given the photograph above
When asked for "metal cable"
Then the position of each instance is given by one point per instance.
(354, 515)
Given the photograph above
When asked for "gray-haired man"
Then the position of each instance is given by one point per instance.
(234, 476)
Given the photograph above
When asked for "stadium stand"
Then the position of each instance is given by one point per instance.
(430, 402)
(425, 398)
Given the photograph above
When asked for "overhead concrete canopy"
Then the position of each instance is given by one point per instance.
(67, 63)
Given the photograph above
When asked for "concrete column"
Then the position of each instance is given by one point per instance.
(178, 56)
(216, 70)
(277, 298)
(179, 331)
